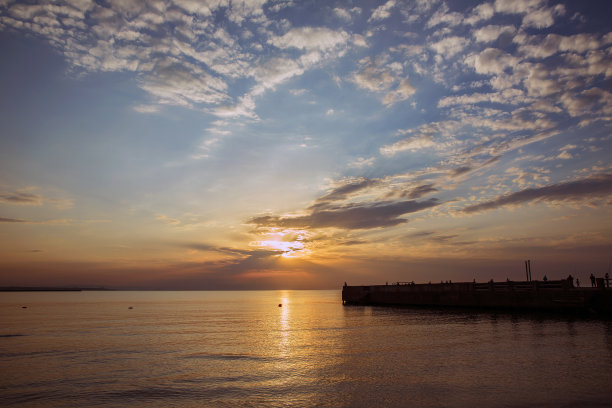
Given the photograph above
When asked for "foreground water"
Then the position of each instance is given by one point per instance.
(192, 349)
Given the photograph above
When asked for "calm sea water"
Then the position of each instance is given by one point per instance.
(228, 349)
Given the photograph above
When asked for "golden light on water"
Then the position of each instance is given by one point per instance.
(284, 323)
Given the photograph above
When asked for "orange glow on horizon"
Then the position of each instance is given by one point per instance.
(274, 274)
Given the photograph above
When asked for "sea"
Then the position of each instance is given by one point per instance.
(290, 349)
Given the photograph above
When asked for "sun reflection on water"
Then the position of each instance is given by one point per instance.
(284, 325)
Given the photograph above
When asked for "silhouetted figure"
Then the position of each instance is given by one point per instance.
(570, 281)
(345, 284)
(577, 282)
(545, 279)
(607, 279)
(592, 277)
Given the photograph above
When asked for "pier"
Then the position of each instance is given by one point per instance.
(555, 295)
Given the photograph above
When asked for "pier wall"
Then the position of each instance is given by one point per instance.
(551, 295)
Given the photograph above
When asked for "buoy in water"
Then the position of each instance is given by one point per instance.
(24, 307)
(130, 307)
(280, 305)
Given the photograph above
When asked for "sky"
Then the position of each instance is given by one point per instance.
(301, 144)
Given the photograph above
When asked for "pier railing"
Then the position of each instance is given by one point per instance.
(488, 286)
(530, 285)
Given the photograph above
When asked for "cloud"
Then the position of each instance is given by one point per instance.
(460, 170)
(359, 40)
(346, 14)
(343, 14)
(374, 76)
(146, 108)
(21, 198)
(536, 14)
(507, 96)
(449, 46)
(199, 246)
(441, 239)
(167, 219)
(298, 92)
(564, 155)
(185, 85)
(345, 189)
(481, 12)
(61, 221)
(409, 144)
(26, 197)
(382, 12)
(402, 92)
(379, 76)
(240, 261)
(492, 61)
(543, 17)
(2, 219)
(543, 47)
(349, 216)
(491, 33)
(596, 186)
(419, 191)
(362, 162)
(517, 6)
(443, 16)
(177, 58)
(178, 52)
(311, 38)
(587, 101)
(274, 72)
(241, 10)
(244, 108)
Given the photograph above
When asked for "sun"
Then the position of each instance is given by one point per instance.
(290, 243)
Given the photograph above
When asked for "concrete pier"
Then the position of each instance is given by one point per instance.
(527, 295)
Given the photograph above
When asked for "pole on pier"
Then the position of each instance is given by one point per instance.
(526, 272)
(529, 267)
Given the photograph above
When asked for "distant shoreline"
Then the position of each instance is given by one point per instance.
(47, 289)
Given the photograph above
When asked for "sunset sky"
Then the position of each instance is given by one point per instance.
(299, 144)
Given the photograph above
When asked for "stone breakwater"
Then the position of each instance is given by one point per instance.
(528, 295)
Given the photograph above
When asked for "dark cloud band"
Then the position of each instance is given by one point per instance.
(350, 216)
(596, 186)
